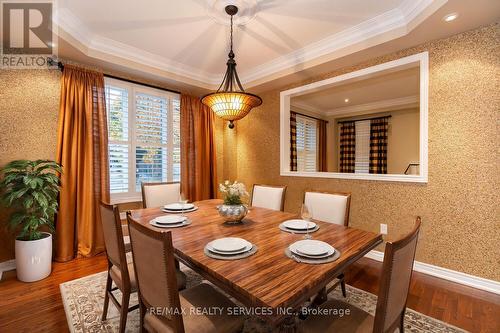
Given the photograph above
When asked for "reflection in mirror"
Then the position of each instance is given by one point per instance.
(369, 125)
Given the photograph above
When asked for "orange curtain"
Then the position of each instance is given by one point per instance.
(82, 150)
(198, 166)
(322, 161)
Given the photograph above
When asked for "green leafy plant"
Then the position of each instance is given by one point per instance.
(31, 189)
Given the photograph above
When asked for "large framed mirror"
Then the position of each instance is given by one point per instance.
(369, 124)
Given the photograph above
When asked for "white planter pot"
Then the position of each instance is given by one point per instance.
(34, 258)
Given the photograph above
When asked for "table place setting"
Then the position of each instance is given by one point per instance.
(230, 248)
(310, 251)
(170, 221)
(178, 207)
(297, 226)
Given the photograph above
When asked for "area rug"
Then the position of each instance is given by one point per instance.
(83, 302)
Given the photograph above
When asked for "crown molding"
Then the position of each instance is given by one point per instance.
(378, 106)
(387, 26)
(301, 106)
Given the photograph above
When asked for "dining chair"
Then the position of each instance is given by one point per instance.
(268, 196)
(393, 294)
(163, 308)
(332, 207)
(119, 271)
(159, 194)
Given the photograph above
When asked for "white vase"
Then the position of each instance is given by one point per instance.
(34, 258)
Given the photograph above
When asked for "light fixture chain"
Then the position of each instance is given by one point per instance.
(231, 33)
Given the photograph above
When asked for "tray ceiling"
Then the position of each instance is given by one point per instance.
(189, 38)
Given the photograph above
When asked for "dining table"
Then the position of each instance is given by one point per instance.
(267, 280)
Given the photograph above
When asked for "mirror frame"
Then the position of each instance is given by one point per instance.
(420, 59)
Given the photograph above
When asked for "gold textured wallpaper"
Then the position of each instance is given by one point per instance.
(459, 205)
(29, 106)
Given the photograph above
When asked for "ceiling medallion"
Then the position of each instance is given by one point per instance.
(230, 101)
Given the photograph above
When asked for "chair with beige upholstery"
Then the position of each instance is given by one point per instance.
(268, 196)
(160, 302)
(119, 271)
(332, 207)
(159, 194)
(391, 303)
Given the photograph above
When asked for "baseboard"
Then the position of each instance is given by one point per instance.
(7, 266)
(447, 274)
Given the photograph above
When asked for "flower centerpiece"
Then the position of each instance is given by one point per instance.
(233, 210)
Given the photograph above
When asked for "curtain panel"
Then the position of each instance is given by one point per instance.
(378, 145)
(293, 141)
(322, 159)
(82, 150)
(347, 146)
(198, 156)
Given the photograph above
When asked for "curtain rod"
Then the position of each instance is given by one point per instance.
(60, 65)
(305, 115)
(353, 121)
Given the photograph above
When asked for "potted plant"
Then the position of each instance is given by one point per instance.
(31, 188)
(233, 210)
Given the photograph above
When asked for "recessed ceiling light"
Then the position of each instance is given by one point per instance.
(450, 17)
(346, 100)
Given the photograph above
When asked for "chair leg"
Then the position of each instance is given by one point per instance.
(124, 310)
(142, 313)
(106, 298)
(402, 323)
(342, 285)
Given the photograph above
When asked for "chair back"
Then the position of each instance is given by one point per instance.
(329, 207)
(113, 238)
(159, 194)
(395, 281)
(269, 196)
(155, 273)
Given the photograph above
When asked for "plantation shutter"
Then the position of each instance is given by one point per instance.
(362, 152)
(306, 144)
(151, 123)
(119, 138)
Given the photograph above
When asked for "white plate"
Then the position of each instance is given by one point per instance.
(169, 219)
(167, 225)
(245, 249)
(312, 248)
(229, 244)
(299, 224)
(179, 211)
(178, 206)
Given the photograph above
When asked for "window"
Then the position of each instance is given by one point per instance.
(306, 144)
(362, 151)
(144, 137)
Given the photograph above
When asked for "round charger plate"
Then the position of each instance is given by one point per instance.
(303, 260)
(185, 223)
(179, 211)
(178, 206)
(283, 228)
(169, 219)
(247, 254)
(299, 225)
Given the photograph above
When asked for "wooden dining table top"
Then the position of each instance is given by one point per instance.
(268, 278)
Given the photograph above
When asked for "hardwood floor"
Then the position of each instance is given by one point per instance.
(37, 307)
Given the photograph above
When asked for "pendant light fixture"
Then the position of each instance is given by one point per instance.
(230, 101)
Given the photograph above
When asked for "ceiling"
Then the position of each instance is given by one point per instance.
(394, 90)
(185, 43)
